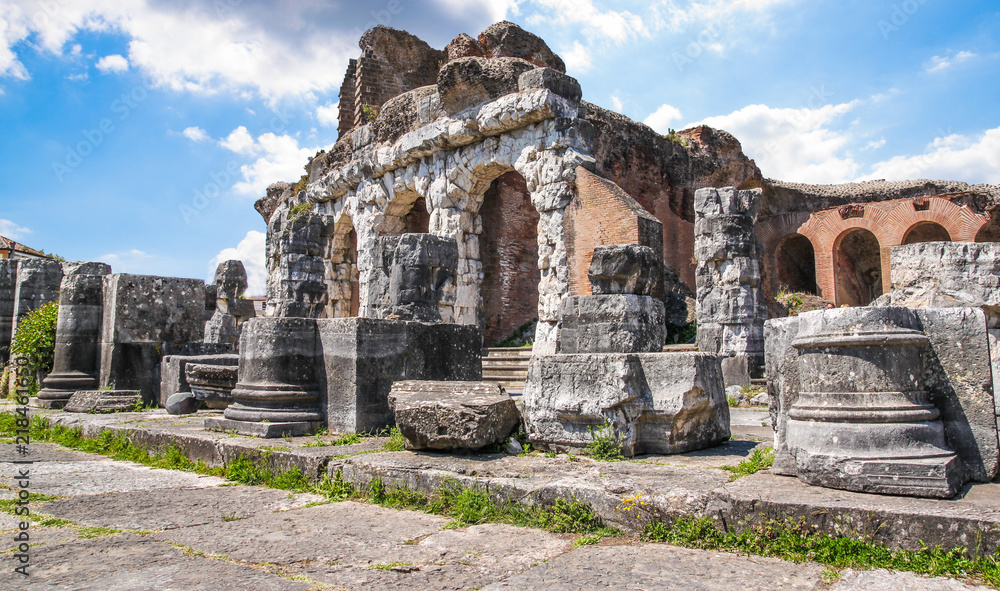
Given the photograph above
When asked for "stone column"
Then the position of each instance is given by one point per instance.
(278, 390)
(412, 271)
(863, 419)
(8, 283)
(296, 285)
(37, 284)
(731, 306)
(78, 334)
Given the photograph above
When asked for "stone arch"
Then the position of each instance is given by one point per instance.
(990, 231)
(342, 270)
(926, 232)
(795, 264)
(858, 267)
(406, 213)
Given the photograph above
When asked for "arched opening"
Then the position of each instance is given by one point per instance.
(795, 262)
(990, 232)
(508, 250)
(926, 232)
(418, 220)
(405, 214)
(342, 270)
(858, 268)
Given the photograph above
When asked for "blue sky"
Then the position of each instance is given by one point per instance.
(140, 132)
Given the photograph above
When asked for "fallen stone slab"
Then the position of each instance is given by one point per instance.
(103, 401)
(452, 415)
(182, 403)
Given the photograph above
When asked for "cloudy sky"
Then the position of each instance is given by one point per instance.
(140, 132)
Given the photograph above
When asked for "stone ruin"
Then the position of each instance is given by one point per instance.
(472, 192)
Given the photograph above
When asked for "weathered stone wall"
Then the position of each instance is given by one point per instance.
(8, 283)
(37, 284)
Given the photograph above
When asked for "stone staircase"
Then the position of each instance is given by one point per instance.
(507, 366)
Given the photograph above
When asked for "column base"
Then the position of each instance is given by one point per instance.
(264, 430)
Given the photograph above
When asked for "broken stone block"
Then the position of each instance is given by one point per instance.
(411, 273)
(231, 311)
(611, 324)
(182, 403)
(104, 401)
(76, 360)
(624, 269)
(363, 357)
(212, 383)
(452, 415)
(145, 318)
(173, 376)
(505, 39)
(864, 419)
(653, 402)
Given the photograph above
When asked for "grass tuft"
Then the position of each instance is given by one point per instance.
(758, 460)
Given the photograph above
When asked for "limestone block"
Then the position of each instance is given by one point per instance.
(410, 272)
(173, 371)
(362, 357)
(8, 284)
(38, 283)
(781, 363)
(946, 275)
(145, 318)
(472, 81)
(617, 323)
(212, 383)
(654, 403)
(452, 415)
(103, 401)
(624, 269)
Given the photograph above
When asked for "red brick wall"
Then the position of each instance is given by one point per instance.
(508, 248)
(347, 92)
(600, 214)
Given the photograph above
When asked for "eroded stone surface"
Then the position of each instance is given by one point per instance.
(452, 415)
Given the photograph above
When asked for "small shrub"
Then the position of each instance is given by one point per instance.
(682, 335)
(605, 447)
(35, 341)
(369, 112)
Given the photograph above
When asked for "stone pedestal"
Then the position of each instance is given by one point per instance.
(173, 371)
(8, 283)
(145, 318)
(278, 391)
(363, 357)
(731, 306)
(78, 331)
(452, 415)
(660, 403)
(863, 419)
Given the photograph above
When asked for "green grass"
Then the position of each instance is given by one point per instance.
(758, 460)
(389, 566)
(797, 542)
(604, 446)
(395, 442)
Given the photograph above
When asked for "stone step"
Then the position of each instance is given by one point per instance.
(516, 352)
(505, 362)
(682, 348)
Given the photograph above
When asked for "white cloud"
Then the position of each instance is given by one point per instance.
(661, 119)
(329, 114)
(875, 144)
(577, 58)
(112, 64)
(9, 229)
(793, 144)
(239, 141)
(250, 250)
(941, 63)
(952, 157)
(667, 15)
(617, 103)
(612, 25)
(195, 134)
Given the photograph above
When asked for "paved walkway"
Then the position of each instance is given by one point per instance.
(130, 527)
